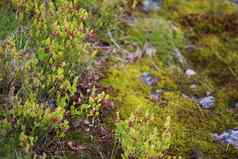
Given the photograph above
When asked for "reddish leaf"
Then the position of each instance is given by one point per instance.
(107, 103)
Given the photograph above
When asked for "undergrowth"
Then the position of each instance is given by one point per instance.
(40, 69)
(52, 106)
(190, 127)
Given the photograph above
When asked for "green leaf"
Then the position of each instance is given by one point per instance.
(41, 55)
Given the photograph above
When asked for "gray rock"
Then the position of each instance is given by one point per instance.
(228, 137)
(207, 102)
(148, 79)
(52, 103)
(179, 57)
(236, 105)
(151, 5)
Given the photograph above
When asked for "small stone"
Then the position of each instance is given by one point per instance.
(207, 102)
(155, 96)
(131, 57)
(148, 79)
(52, 103)
(86, 122)
(236, 105)
(151, 5)
(228, 137)
(208, 93)
(190, 72)
(79, 100)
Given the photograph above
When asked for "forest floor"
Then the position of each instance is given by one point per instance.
(160, 81)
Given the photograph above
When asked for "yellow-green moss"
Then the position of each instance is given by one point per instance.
(211, 27)
(191, 126)
(175, 9)
(206, 25)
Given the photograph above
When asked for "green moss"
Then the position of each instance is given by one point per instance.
(175, 9)
(127, 81)
(8, 23)
(211, 27)
(191, 126)
(216, 58)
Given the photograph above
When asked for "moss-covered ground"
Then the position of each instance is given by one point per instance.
(205, 32)
(136, 126)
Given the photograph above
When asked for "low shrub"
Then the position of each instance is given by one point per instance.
(39, 74)
(140, 139)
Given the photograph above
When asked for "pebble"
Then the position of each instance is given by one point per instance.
(131, 57)
(155, 96)
(228, 137)
(190, 72)
(79, 100)
(207, 102)
(148, 79)
(236, 105)
(151, 5)
(52, 103)
(233, 104)
(208, 93)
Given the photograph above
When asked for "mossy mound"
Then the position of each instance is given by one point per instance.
(161, 120)
(175, 9)
(211, 30)
(216, 58)
(213, 23)
(191, 127)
